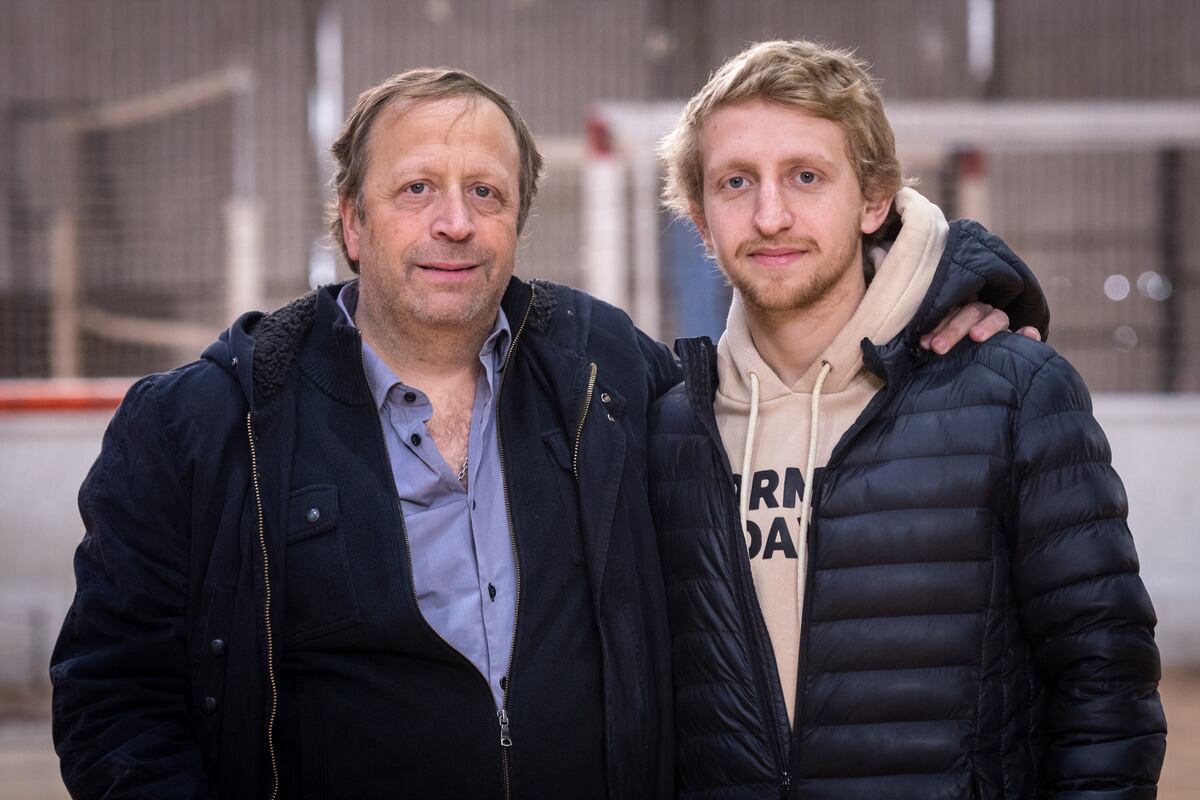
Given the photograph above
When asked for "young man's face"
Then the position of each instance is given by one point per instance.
(441, 195)
(783, 212)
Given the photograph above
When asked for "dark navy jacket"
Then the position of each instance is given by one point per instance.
(974, 624)
(204, 569)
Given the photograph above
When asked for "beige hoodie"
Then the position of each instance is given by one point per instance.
(785, 445)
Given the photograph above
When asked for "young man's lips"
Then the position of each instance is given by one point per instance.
(774, 256)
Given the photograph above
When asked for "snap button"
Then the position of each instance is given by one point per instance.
(210, 704)
(217, 647)
(313, 515)
(605, 397)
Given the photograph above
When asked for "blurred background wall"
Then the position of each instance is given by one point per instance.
(163, 165)
(163, 160)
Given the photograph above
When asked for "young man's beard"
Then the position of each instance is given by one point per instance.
(780, 296)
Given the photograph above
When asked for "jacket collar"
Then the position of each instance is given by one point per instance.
(260, 349)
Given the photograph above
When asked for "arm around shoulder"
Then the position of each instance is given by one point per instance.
(122, 722)
(1084, 608)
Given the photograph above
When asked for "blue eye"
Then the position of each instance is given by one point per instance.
(807, 176)
(736, 182)
(416, 188)
(483, 191)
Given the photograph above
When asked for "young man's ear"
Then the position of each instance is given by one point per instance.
(348, 211)
(875, 211)
(697, 217)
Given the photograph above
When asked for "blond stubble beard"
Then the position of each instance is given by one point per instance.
(775, 296)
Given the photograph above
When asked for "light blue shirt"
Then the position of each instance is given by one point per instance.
(464, 574)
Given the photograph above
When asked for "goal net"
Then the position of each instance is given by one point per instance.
(151, 229)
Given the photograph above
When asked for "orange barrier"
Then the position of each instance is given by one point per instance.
(94, 394)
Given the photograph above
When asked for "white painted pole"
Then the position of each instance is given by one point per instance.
(605, 230)
(647, 287)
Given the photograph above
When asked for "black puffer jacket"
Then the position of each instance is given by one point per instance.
(974, 627)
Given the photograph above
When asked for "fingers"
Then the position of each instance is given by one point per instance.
(995, 322)
(1030, 332)
(958, 323)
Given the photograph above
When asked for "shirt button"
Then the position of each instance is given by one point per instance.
(313, 515)
(415, 439)
(491, 591)
(472, 505)
(410, 397)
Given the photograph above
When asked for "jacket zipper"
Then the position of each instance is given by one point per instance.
(750, 599)
(502, 714)
(751, 608)
(587, 403)
(262, 543)
(805, 623)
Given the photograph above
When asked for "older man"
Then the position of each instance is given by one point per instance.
(392, 539)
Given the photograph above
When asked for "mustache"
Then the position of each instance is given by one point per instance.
(785, 243)
(449, 252)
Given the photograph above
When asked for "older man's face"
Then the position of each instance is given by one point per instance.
(441, 193)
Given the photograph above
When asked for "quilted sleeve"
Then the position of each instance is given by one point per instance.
(1083, 607)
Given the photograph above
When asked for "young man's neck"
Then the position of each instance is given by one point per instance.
(791, 340)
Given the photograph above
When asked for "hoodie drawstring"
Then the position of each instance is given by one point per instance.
(747, 456)
(806, 502)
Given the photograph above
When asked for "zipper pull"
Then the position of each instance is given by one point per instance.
(785, 784)
(505, 738)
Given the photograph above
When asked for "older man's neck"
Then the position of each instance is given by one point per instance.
(419, 351)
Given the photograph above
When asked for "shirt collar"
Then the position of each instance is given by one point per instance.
(380, 377)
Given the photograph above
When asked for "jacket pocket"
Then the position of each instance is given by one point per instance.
(556, 445)
(319, 591)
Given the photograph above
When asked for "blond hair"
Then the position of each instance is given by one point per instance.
(823, 81)
(351, 148)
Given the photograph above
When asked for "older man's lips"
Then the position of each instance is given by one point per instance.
(446, 266)
(447, 272)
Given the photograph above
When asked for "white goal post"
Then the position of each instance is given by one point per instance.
(241, 213)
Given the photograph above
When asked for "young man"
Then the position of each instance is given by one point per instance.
(392, 540)
(888, 576)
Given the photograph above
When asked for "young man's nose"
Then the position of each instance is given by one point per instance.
(771, 213)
